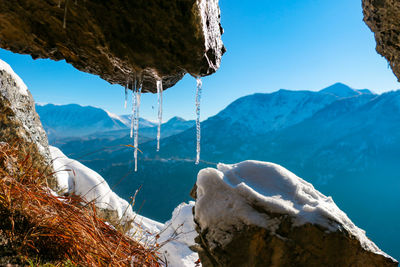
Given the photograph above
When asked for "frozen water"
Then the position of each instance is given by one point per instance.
(198, 130)
(134, 104)
(136, 95)
(159, 97)
(126, 95)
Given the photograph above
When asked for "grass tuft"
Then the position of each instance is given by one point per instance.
(38, 226)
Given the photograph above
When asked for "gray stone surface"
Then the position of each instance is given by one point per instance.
(282, 244)
(19, 121)
(118, 40)
(383, 18)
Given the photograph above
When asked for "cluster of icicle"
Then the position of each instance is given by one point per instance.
(136, 87)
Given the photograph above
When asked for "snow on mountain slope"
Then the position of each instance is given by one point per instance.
(235, 130)
(341, 90)
(269, 112)
(143, 123)
(75, 120)
(175, 236)
(173, 126)
(363, 130)
(366, 91)
(115, 117)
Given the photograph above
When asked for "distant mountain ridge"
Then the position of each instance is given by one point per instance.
(75, 120)
(75, 123)
(342, 90)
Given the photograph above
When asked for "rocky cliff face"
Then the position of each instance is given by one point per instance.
(119, 40)
(19, 121)
(383, 18)
(260, 214)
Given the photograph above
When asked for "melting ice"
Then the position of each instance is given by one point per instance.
(136, 93)
(136, 125)
(159, 98)
(198, 130)
(126, 95)
(134, 104)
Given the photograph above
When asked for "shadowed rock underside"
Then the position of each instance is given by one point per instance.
(121, 41)
(307, 245)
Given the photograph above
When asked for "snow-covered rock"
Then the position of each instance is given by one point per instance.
(75, 178)
(19, 83)
(277, 217)
(175, 236)
(19, 120)
(178, 235)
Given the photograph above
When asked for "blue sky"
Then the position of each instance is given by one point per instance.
(271, 44)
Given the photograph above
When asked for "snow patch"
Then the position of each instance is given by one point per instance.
(74, 177)
(23, 89)
(115, 117)
(179, 233)
(235, 189)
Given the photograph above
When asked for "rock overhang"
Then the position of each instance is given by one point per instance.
(121, 41)
(383, 18)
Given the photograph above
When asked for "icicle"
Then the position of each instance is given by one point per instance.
(65, 14)
(126, 94)
(160, 100)
(198, 130)
(136, 123)
(134, 103)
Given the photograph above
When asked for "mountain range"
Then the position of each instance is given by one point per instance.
(344, 141)
(72, 123)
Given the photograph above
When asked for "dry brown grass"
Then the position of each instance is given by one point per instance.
(37, 224)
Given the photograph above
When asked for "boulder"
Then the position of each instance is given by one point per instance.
(121, 41)
(260, 214)
(383, 18)
(19, 121)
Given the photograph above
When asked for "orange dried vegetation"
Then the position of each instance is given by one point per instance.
(39, 224)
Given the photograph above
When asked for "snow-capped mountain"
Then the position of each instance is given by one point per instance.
(75, 120)
(342, 90)
(71, 121)
(127, 119)
(173, 126)
(273, 111)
